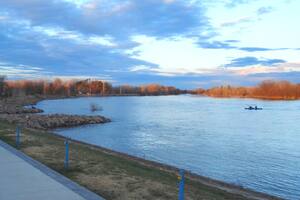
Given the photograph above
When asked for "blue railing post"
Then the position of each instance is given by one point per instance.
(18, 132)
(66, 163)
(181, 185)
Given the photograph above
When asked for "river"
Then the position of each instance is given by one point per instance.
(212, 137)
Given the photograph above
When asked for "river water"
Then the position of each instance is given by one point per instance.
(212, 137)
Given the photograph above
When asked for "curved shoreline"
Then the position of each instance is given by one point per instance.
(227, 187)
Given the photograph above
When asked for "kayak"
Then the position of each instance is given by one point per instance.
(253, 108)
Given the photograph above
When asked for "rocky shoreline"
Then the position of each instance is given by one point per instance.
(22, 111)
(46, 122)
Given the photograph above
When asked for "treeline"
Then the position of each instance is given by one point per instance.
(86, 87)
(265, 90)
(151, 89)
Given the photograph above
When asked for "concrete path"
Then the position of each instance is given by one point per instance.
(22, 178)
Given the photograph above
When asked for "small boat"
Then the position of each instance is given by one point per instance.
(253, 108)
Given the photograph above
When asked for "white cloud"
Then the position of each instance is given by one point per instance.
(168, 1)
(258, 69)
(236, 21)
(21, 71)
(3, 18)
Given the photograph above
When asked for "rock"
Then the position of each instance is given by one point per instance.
(60, 121)
(13, 111)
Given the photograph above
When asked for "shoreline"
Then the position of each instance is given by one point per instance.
(23, 111)
(209, 182)
(192, 179)
(248, 97)
(228, 187)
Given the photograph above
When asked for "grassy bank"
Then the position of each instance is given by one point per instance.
(111, 175)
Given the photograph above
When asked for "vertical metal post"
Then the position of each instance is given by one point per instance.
(181, 185)
(66, 163)
(18, 130)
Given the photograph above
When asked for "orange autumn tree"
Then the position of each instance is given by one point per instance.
(56, 87)
(265, 90)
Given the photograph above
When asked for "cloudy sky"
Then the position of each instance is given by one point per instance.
(186, 43)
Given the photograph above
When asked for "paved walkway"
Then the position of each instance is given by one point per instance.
(22, 178)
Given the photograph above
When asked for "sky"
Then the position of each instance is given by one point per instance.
(185, 43)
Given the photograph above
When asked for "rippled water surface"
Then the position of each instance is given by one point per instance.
(212, 137)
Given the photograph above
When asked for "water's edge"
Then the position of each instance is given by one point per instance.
(228, 187)
(231, 187)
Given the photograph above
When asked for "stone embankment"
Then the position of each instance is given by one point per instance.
(46, 122)
(13, 110)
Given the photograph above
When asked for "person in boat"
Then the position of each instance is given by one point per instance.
(253, 108)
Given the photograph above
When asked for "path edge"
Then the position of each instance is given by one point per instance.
(80, 190)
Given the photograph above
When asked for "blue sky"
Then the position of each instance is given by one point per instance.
(186, 43)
